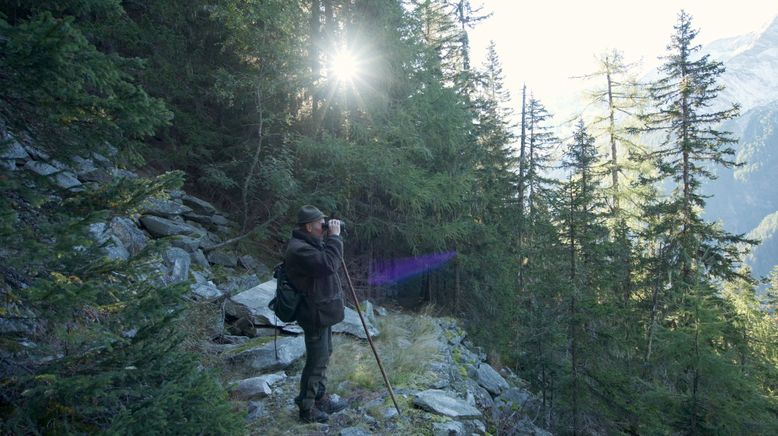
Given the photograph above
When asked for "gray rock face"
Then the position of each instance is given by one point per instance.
(186, 243)
(251, 264)
(443, 403)
(263, 357)
(256, 387)
(474, 426)
(198, 257)
(112, 246)
(14, 317)
(219, 220)
(163, 208)
(222, 258)
(525, 427)
(293, 329)
(368, 311)
(514, 400)
(206, 291)
(239, 284)
(206, 220)
(63, 179)
(515, 396)
(450, 428)
(133, 239)
(83, 167)
(13, 151)
(256, 411)
(116, 251)
(389, 413)
(207, 239)
(120, 173)
(98, 232)
(252, 304)
(490, 379)
(37, 153)
(353, 326)
(178, 262)
(160, 227)
(481, 396)
(198, 205)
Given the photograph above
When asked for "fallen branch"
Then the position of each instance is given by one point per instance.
(227, 242)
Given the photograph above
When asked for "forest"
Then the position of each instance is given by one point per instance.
(583, 263)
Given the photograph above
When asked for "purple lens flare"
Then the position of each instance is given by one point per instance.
(398, 270)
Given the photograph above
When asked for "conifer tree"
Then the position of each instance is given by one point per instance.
(540, 141)
(580, 212)
(618, 101)
(683, 351)
(539, 327)
(691, 145)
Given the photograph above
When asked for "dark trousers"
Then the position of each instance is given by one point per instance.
(318, 348)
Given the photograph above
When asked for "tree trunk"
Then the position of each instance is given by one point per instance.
(255, 159)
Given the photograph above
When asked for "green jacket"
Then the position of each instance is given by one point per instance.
(312, 268)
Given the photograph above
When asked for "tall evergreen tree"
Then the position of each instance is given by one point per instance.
(581, 209)
(683, 352)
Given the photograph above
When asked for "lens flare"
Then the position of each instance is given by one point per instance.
(398, 270)
(345, 65)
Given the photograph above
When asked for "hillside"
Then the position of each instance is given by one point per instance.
(743, 198)
(441, 380)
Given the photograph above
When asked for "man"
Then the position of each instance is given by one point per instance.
(312, 264)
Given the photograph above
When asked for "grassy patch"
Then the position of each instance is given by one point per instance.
(252, 343)
(407, 345)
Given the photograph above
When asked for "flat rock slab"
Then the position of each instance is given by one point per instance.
(129, 234)
(206, 291)
(224, 258)
(252, 304)
(490, 379)
(443, 403)
(353, 326)
(256, 387)
(65, 179)
(160, 227)
(12, 150)
(450, 428)
(263, 357)
(198, 205)
(178, 261)
(163, 208)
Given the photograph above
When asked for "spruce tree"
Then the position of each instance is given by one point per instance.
(581, 211)
(683, 356)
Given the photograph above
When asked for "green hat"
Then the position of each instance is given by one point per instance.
(309, 214)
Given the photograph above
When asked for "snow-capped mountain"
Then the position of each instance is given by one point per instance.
(751, 60)
(745, 199)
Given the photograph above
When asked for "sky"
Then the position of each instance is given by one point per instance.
(544, 43)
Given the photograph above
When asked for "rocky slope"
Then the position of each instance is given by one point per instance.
(443, 383)
(450, 390)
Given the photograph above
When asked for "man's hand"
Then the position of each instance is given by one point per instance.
(334, 227)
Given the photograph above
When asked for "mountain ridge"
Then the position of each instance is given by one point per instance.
(743, 198)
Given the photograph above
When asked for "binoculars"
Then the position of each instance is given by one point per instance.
(326, 225)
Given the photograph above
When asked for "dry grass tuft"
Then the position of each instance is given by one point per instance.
(407, 345)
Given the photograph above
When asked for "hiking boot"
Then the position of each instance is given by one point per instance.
(313, 415)
(331, 403)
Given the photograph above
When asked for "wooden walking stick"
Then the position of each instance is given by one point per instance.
(369, 339)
